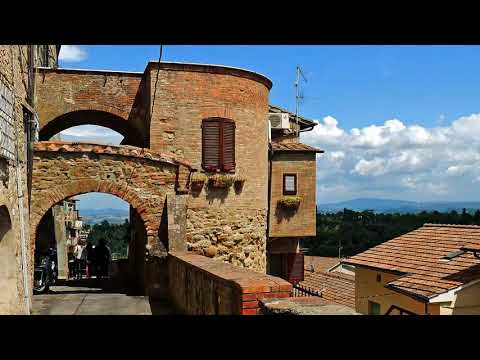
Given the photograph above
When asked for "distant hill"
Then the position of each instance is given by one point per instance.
(113, 216)
(399, 206)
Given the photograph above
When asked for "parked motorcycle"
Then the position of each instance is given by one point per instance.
(45, 273)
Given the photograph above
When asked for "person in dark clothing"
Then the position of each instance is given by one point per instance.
(102, 258)
(90, 259)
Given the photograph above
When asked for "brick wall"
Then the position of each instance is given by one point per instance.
(302, 222)
(202, 286)
(113, 99)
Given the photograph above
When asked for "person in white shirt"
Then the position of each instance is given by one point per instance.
(77, 253)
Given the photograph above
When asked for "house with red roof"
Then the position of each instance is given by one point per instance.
(433, 270)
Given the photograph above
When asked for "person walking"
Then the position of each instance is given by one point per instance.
(77, 252)
(90, 259)
(102, 258)
(71, 262)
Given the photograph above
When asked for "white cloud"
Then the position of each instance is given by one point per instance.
(92, 133)
(398, 160)
(72, 53)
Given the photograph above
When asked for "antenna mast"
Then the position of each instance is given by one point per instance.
(298, 97)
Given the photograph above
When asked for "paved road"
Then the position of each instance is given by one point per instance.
(90, 299)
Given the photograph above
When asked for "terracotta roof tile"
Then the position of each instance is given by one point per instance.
(418, 257)
(299, 147)
(334, 287)
(319, 263)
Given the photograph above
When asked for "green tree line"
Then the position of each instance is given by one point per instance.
(117, 236)
(354, 232)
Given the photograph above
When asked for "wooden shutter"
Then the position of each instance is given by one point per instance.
(228, 145)
(211, 132)
(295, 267)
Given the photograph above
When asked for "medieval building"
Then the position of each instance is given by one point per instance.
(207, 165)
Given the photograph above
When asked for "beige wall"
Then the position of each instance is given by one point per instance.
(367, 288)
(303, 221)
(466, 302)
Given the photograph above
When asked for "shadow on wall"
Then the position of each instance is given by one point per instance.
(217, 194)
(282, 213)
(8, 283)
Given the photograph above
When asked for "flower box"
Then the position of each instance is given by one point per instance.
(290, 202)
(220, 181)
(197, 181)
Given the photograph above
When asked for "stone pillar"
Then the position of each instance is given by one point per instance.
(60, 233)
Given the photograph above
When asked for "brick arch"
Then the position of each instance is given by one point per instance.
(99, 115)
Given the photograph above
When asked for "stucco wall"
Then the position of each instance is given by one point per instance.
(467, 302)
(367, 288)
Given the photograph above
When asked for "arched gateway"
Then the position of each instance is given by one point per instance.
(138, 176)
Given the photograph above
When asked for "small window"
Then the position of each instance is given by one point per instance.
(373, 308)
(289, 184)
(218, 144)
(379, 278)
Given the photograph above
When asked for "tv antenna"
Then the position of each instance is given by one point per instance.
(298, 96)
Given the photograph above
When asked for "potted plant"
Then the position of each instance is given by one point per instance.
(197, 181)
(290, 202)
(220, 181)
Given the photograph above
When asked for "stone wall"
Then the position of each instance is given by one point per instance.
(202, 286)
(14, 67)
(140, 177)
(233, 235)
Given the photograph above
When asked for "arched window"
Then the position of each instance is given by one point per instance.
(218, 144)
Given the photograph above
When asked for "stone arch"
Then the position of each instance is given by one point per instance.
(8, 268)
(109, 117)
(144, 208)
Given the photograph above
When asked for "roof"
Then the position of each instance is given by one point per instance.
(297, 147)
(336, 288)
(320, 263)
(304, 123)
(417, 257)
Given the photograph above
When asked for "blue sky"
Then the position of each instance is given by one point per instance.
(396, 121)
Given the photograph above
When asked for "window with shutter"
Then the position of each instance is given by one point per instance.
(218, 144)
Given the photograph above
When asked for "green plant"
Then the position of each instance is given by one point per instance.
(220, 181)
(198, 178)
(290, 202)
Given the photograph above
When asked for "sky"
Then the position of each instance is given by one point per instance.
(396, 122)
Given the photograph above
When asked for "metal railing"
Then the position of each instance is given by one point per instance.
(303, 291)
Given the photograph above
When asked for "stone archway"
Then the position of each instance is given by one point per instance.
(8, 268)
(138, 176)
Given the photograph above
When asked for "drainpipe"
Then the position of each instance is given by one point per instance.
(270, 156)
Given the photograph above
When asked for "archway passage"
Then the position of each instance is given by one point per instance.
(8, 273)
(131, 135)
(138, 176)
(117, 100)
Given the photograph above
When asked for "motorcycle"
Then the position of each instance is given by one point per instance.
(45, 273)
